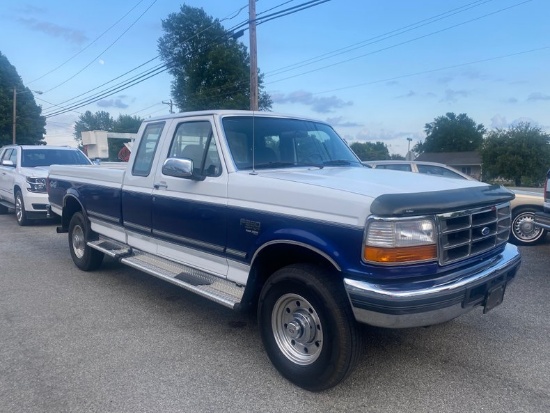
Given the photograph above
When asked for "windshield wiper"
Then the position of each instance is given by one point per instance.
(337, 162)
(271, 165)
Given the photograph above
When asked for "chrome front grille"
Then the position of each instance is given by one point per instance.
(464, 234)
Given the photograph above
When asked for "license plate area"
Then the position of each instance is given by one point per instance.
(494, 297)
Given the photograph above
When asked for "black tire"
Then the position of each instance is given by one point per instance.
(84, 257)
(20, 213)
(523, 230)
(307, 326)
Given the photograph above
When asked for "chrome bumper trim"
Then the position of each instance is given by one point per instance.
(395, 305)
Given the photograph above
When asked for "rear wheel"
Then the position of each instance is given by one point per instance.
(523, 230)
(308, 328)
(20, 213)
(85, 257)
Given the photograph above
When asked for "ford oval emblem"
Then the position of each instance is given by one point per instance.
(485, 231)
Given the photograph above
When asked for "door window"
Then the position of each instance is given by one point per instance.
(195, 141)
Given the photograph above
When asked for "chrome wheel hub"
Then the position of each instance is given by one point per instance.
(524, 228)
(78, 241)
(297, 329)
(18, 209)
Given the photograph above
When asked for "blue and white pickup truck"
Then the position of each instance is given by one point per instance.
(275, 213)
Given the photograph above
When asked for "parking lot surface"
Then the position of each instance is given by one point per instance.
(117, 340)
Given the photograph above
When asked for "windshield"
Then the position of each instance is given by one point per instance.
(265, 142)
(46, 157)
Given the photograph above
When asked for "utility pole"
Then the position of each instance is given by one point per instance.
(15, 109)
(253, 55)
(170, 104)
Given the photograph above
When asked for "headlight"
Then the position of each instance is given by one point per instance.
(400, 241)
(36, 184)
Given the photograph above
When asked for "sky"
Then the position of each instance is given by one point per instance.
(378, 71)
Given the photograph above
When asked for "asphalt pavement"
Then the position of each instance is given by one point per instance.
(117, 340)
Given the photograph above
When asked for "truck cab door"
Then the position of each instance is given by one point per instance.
(137, 189)
(190, 212)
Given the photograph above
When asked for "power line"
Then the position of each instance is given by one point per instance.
(89, 45)
(379, 38)
(111, 92)
(435, 70)
(281, 13)
(108, 47)
(401, 43)
(112, 80)
(141, 75)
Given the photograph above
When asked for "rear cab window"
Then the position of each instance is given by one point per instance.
(147, 149)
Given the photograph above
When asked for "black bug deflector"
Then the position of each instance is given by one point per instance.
(424, 203)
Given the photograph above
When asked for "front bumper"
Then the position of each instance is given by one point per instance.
(542, 220)
(35, 204)
(401, 305)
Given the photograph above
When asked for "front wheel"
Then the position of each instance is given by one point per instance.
(307, 326)
(523, 230)
(84, 257)
(20, 213)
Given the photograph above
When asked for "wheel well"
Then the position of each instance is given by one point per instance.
(522, 207)
(71, 206)
(274, 257)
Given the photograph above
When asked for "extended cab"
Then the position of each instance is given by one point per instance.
(265, 211)
(23, 172)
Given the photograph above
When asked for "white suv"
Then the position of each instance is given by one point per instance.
(23, 172)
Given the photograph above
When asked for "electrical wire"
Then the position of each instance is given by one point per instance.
(435, 70)
(143, 64)
(402, 43)
(108, 47)
(89, 45)
(379, 38)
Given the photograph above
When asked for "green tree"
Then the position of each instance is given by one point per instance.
(451, 133)
(369, 151)
(210, 68)
(30, 125)
(519, 153)
(127, 124)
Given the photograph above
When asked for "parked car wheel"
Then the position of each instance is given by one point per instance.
(20, 213)
(308, 328)
(523, 231)
(84, 257)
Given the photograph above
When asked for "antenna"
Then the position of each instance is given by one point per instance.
(253, 144)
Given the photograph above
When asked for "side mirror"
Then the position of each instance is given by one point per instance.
(180, 168)
(7, 162)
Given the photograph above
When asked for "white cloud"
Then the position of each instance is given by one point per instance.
(536, 96)
(317, 104)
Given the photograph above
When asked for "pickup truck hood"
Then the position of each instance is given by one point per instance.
(316, 193)
(369, 182)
